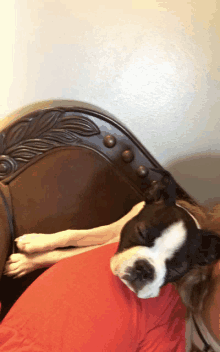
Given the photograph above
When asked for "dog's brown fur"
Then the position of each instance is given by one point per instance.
(194, 285)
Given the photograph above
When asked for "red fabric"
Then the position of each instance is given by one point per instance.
(78, 305)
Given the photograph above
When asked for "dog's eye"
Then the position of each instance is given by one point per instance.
(141, 231)
(147, 236)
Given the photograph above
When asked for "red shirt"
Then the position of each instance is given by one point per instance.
(79, 305)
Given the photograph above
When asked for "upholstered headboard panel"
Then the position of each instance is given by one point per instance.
(63, 168)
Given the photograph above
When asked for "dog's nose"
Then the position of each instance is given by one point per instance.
(139, 274)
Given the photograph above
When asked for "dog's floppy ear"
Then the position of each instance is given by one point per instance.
(164, 189)
(205, 248)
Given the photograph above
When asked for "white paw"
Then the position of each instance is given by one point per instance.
(34, 242)
(19, 264)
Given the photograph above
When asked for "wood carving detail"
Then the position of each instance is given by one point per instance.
(39, 132)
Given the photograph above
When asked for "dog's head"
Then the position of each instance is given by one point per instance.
(162, 243)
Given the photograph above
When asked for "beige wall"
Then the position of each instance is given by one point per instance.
(153, 64)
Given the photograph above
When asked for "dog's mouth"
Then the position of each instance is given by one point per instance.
(139, 295)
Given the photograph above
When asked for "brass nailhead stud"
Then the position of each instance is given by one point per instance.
(127, 156)
(109, 141)
(142, 171)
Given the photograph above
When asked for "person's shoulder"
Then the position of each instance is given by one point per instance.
(162, 321)
(167, 303)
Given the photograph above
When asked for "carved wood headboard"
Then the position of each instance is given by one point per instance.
(36, 133)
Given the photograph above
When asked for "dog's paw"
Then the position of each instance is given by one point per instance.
(35, 242)
(20, 264)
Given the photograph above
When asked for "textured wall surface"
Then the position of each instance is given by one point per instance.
(153, 64)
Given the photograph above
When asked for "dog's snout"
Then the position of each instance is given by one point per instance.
(139, 274)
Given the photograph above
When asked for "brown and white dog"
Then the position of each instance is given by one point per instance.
(162, 243)
(160, 240)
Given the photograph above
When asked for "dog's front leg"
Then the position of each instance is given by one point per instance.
(32, 243)
(20, 264)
